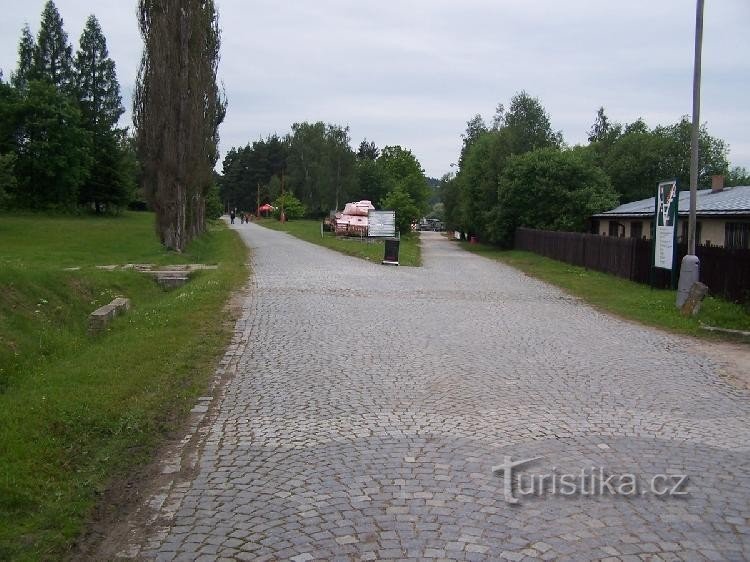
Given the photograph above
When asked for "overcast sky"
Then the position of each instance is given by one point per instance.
(412, 72)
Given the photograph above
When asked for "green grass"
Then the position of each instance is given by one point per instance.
(624, 298)
(309, 230)
(76, 411)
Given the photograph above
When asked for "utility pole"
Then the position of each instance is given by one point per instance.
(690, 266)
(257, 197)
(696, 126)
(282, 216)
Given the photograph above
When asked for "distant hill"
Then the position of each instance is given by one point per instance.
(434, 185)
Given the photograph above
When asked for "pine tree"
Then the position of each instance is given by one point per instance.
(53, 56)
(98, 91)
(96, 81)
(177, 110)
(20, 78)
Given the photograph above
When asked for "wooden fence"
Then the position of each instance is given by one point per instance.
(726, 272)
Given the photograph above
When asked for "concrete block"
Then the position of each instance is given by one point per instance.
(102, 316)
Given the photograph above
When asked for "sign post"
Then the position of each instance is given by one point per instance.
(666, 207)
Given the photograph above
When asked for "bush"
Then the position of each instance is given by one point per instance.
(293, 207)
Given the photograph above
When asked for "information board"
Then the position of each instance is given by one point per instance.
(665, 221)
(381, 223)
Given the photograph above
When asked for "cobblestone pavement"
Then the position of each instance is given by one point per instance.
(368, 405)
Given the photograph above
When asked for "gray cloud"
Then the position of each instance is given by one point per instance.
(413, 72)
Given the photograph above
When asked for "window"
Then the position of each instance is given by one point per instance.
(636, 229)
(737, 235)
(616, 229)
(684, 231)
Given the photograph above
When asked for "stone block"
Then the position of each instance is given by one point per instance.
(692, 304)
(102, 316)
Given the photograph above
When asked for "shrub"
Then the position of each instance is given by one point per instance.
(293, 207)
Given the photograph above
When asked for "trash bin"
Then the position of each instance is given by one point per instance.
(391, 251)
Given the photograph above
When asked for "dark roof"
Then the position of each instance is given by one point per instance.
(729, 201)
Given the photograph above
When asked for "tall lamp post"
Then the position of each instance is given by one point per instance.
(690, 266)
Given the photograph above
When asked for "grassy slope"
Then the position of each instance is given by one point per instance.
(75, 411)
(625, 298)
(309, 230)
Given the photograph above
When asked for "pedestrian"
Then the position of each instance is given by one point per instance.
(232, 214)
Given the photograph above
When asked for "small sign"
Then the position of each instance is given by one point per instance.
(381, 223)
(665, 221)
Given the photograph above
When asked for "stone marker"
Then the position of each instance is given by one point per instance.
(695, 297)
(102, 316)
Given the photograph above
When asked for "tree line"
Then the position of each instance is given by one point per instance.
(517, 171)
(316, 163)
(60, 144)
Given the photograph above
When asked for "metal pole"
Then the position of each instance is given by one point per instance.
(690, 266)
(696, 126)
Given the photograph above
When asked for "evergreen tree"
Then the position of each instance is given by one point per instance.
(20, 78)
(53, 56)
(101, 105)
(96, 80)
(368, 151)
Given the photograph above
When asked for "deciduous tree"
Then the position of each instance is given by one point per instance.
(177, 112)
(548, 189)
(738, 175)
(403, 171)
(528, 124)
(321, 166)
(407, 211)
(53, 149)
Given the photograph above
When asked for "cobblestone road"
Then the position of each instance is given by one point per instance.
(368, 404)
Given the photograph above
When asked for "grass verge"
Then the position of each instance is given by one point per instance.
(371, 250)
(634, 301)
(75, 411)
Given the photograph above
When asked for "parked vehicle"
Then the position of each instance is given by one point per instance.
(430, 225)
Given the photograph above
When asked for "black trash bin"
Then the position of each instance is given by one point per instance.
(391, 251)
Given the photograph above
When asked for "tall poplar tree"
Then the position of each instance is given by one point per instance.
(177, 110)
(53, 55)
